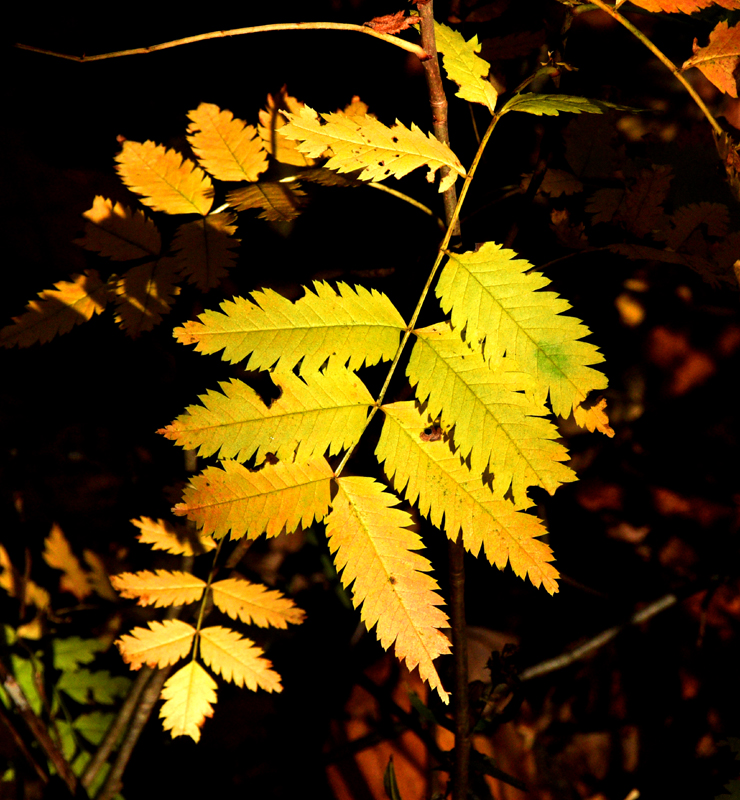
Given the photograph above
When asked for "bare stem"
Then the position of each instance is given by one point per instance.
(149, 697)
(202, 37)
(116, 728)
(461, 698)
(661, 56)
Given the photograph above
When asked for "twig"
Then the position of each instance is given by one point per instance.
(21, 745)
(438, 102)
(116, 728)
(461, 697)
(202, 37)
(150, 695)
(566, 659)
(20, 702)
(662, 57)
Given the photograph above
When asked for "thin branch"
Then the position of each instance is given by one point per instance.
(662, 57)
(21, 745)
(202, 37)
(37, 728)
(566, 659)
(150, 695)
(116, 728)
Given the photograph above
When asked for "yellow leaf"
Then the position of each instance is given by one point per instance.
(189, 694)
(272, 119)
(374, 549)
(432, 476)
(349, 326)
(493, 296)
(57, 310)
(227, 147)
(276, 497)
(58, 555)
(116, 232)
(204, 250)
(365, 143)
(32, 593)
(237, 659)
(594, 418)
(279, 202)
(175, 539)
(160, 645)
(326, 411)
(463, 66)
(144, 294)
(256, 604)
(165, 179)
(160, 588)
(497, 425)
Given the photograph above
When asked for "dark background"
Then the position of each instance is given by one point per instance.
(655, 511)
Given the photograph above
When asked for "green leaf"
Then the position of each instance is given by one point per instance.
(352, 326)
(492, 296)
(94, 725)
(463, 66)
(73, 651)
(553, 104)
(84, 686)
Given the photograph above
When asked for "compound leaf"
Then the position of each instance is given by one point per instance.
(491, 295)
(463, 66)
(495, 424)
(165, 179)
(276, 497)
(375, 551)
(364, 143)
(429, 473)
(159, 588)
(237, 659)
(205, 249)
(57, 310)
(161, 644)
(256, 604)
(189, 696)
(226, 147)
(326, 411)
(116, 232)
(352, 326)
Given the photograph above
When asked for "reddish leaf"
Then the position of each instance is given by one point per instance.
(719, 59)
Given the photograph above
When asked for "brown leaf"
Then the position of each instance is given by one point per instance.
(279, 202)
(720, 58)
(144, 294)
(392, 23)
(205, 249)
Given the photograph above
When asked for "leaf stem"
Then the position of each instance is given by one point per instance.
(662, 57)
(202, 37)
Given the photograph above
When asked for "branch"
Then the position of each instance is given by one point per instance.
(20, 702)
(202, 37)
(566, 659)
(661, 56)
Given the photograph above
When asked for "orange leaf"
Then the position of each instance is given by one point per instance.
(189, 694)
(165, 179)
(272, 119)
(255, 603)
(58, 554)
(57, 310)
(237, 659)
(684, 6)
(227, 147)
(174, 539)
(720, 58)
(160, 588)
(144, 294)
(162, 644)
(204, 249)
(116, 232)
